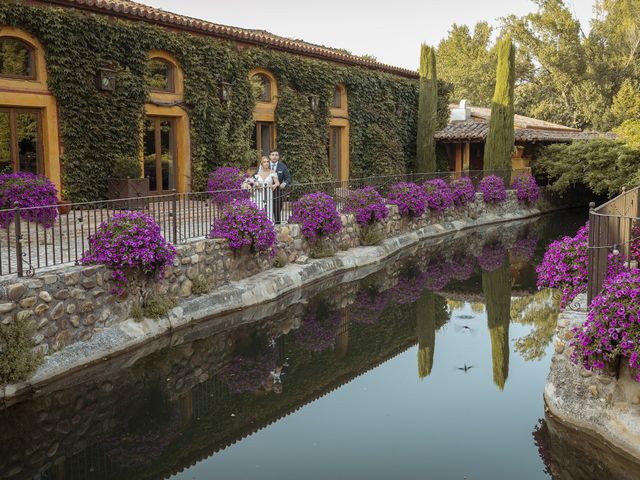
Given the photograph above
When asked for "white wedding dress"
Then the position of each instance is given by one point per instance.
(262, 195)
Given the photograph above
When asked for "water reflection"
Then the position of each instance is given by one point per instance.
(154, 413)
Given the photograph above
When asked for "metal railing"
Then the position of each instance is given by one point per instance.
(610, 229)
(26, 246)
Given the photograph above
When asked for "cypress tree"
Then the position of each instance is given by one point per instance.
(426, 329)
(499, 146)
(427, 112)
(496, 287)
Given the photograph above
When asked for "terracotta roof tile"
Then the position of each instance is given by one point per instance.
(138, 11)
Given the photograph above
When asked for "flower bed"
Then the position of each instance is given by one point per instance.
(612, 328)
(244, 224)
(564, 265)
(438, 195)
(527, 189)
(317, 215)
(493, 189)
(129, 241)
(462, 191)
(409, 197)
(28, 191)
(367, 205)
(225, 185)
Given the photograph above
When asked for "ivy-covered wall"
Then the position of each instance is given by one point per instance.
(95, 126)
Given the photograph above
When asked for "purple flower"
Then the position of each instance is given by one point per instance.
(438, 195)
(409, 197)
(129, 240)
(493, 189)
(244, 224)
(462, 191)
(35, 194)
(367, 205)
(527, 190)
(317, 215)
(225, 185)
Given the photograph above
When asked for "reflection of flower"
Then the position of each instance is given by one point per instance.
(318, 330)
(409, 288)
(249, 373)
(492, 257)
(436, 276)
(461, 268)
(369, 305)
(524, 249)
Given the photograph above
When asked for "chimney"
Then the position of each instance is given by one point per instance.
(461, 113)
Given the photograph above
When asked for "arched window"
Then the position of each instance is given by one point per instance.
(264, 112)
(17, 59)
(161, 75)
(28, 111)
(338, 154)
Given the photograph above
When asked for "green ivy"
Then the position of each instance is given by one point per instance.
(96, 127)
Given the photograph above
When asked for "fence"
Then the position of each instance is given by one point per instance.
(610, 231)
(26, 246)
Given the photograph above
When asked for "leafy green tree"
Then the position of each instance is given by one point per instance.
(626, 103)
(499, 145)
(629, 132)
(427, 112)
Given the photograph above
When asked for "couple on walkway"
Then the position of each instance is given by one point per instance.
(271, 180)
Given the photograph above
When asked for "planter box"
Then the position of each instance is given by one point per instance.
(129, 188)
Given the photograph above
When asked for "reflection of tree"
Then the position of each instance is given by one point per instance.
(432, 312)
(496, 286)
(477, 307)
(540, 310)
(455, 304)
(15, 57)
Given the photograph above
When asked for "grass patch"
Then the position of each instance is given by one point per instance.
(17, 359)
(201, 285)
(154, 306)
(281, 260)
(371, 235)
(321, 251)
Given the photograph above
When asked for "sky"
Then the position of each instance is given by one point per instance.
(390, 31)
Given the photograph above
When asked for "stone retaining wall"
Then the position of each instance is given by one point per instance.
(72, 303)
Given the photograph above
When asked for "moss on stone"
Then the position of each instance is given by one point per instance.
(18, 360)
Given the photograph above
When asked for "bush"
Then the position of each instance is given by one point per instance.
(493, 189)
(612, 328)
(438, 195)
(281, 260)
(225, 185)
(157, 306)
(462, 191)
(201, 285)
(564, 265)
(17, 360)
(129, 240)
(367, 205)
(28, 191)
(126, 166)
(244, 224)
(526, 188)
(409, 197)
(317, 215)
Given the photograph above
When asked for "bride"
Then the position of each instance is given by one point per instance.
(266, 182)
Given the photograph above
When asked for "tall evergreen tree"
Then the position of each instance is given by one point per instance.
(426, 328)
(499, 146)
(427, 111)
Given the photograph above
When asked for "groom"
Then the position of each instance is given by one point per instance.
(284, 177)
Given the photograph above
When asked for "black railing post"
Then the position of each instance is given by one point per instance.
(18, 235)
(174, 215)
(592, 254)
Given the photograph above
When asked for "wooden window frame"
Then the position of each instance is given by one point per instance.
(157, 141)
(259, 151)
(13, 137)
(32, 60)
(171, 75)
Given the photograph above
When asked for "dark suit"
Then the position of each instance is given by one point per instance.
(279, 195)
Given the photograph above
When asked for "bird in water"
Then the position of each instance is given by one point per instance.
(465, 329)
(465, 368)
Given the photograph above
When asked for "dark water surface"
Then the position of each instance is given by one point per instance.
(432, 366)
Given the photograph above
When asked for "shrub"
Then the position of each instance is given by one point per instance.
(438, 195)
(367, 205)
(126, 166)
(612, 327)
(201, 285)
(493, 189)
(492, 257)
(371, 235)
(317, 215)
(321, 251)
(225, 185)
(157, 306)
(281, 260)
(409, 197)
(462, 191)
(28, 191)
(564, 265)
(129, 240)
(526, 187)
(17, 359)
(244, 224)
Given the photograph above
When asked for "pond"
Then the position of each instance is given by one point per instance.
(430, 365)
